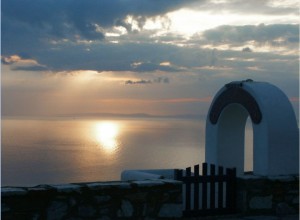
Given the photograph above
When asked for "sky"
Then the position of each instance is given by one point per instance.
(160, 57)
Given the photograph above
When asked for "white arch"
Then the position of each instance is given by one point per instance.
(275, 129)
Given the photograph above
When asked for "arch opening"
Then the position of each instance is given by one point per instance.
(231, 136)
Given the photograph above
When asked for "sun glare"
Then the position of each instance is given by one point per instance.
(106, 135)
(189, 22)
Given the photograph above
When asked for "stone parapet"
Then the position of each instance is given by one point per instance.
(268, 195)
(142, 199)
(149, 199)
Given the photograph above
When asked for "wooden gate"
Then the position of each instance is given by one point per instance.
(210, 193)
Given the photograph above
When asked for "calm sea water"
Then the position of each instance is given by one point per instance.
(54, 151)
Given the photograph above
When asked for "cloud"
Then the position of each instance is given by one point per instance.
(150, 66)
(18, 63)
(267, 7)
(277, 34)
(142, 81)
(164, 80)
(84, 18)
(247, 49)
(30, 68)
(70, 35)
(140, 58)
(10, 59)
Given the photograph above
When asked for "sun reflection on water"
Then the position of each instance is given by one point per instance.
(106, 134)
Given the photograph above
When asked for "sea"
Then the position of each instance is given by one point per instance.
(71, 150)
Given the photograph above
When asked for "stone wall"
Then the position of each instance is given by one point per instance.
(103, 200)
(143, 199)
(268, 195)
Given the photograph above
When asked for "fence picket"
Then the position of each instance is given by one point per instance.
(220, 188)
(197, 181)
(230, 189)
(188, 190)
(204, 186)
(212, 186)
(196, 187)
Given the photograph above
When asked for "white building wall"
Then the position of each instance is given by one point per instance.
(276, 137)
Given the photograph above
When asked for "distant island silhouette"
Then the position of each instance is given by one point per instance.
(135, 115)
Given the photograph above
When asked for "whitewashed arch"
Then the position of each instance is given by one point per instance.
(275, 129)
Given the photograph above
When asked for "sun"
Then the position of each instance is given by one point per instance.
(106, 135)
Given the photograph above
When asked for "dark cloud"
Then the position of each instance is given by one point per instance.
(69, 17)
(30, 68)
(274, 34)
(162, 80)
(50, 30)
(141, 58)
(50, 33)
(145, 57)
(143, 81)
(247, 49)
